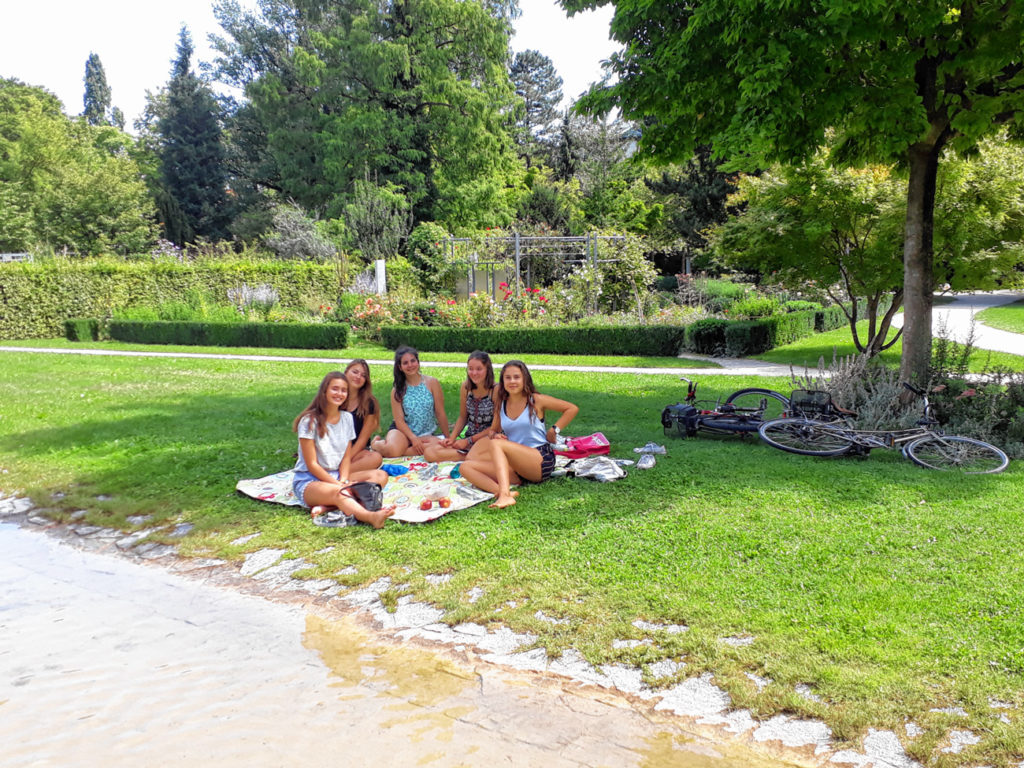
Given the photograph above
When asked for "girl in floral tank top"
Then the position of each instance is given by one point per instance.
(476, 412)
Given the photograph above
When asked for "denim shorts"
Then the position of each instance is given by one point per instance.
(303, 478)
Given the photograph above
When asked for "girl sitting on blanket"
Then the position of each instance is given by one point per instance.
(476, 412)
(521, 446)
(417, 407)
(324, 466)
(365, 411)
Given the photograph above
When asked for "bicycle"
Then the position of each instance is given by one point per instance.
(924, 445)
(742, 413)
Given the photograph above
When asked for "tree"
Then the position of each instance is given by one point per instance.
(194, 202)
(97, 92)
(843, 230)
(415, 93)
(66, 184)
(838, 229)
(696, 197)
(763, 81)
(537, 83)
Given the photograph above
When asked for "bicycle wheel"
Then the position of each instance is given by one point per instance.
(963, 454)
(771, 404)
(806, 437)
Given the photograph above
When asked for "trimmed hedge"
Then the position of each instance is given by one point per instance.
(278, 335)
(653, 340)
(709, 336)
(82, 329)
(37, 297)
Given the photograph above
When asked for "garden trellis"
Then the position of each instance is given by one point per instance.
(532, 258)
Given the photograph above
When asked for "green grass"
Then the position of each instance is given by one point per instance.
(372, 351)
(889, 589)
(1009, 317)
(808, 351)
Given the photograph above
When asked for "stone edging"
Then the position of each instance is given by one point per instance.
(697, 699)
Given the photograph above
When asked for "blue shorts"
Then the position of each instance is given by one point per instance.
(303, 478)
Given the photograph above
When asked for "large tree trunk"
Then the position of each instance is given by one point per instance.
(917, 263)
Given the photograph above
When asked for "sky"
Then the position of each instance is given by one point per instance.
(47, 42)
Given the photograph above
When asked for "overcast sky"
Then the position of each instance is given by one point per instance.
(46, 43)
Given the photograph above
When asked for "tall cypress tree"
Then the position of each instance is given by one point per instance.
(97, 92)
(192, 167)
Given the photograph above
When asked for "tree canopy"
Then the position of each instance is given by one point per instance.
(764, 81)
(66, 184)
(415, 92)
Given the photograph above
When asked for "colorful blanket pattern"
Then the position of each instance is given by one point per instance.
(406, 491)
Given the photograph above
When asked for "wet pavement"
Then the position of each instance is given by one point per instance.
(110, 661)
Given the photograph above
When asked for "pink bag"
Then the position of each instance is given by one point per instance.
(580, 447)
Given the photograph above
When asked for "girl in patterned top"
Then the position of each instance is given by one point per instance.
(417, 407)
(521, 447)
(476, 412)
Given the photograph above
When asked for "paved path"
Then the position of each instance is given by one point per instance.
(953, 319)
(956, 320)
(730, 366)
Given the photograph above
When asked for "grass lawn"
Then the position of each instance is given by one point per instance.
(1009, 317)
(891, 590)
(807, 351)
(371, 351)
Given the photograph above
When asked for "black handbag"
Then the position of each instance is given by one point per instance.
(369, 495)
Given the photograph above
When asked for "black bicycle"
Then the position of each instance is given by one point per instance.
(742, 413)
(924, 444)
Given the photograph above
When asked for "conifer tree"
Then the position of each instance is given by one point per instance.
(537, 83)
(192, 167)
(97, 92)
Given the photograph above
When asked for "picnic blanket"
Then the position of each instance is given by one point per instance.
(406, 491)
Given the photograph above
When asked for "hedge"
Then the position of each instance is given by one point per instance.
(287, 335)
(82, 329)
(709, 336)
(37, 297)
(653, 340)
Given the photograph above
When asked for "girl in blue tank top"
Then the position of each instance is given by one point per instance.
(417, 407)
(521, 448)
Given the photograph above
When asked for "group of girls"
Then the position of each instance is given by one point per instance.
(500, 437)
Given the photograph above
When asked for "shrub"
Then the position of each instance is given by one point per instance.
(426, 250)
(82, 329)
(278, 335)
(348, 303)
(37, 297)
(799, 305)
(707, 336)
(752, 306)
(568, 340)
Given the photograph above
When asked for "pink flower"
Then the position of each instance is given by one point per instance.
(451, 302)
(433, 311)
(503, 285)
(524, 310)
